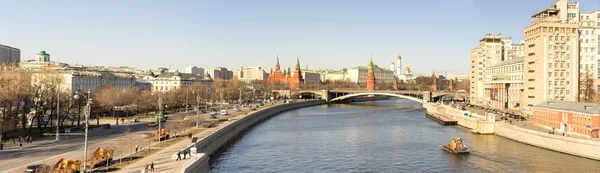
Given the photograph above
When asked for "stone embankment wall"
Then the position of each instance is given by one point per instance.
(475, 122)
(579, 147)
(213, 142)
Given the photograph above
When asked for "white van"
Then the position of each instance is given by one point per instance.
(224, 112)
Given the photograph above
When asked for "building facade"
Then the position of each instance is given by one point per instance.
(248, 74)
(220, 73)
(382, 75)
(459, 77)
(198, 71)
(168, 81)
(589, 42)
(504, 84)
(579, 118)
(551, 68)
(8, 54)
(488, 53)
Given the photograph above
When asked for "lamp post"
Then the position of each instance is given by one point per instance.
(198, 109)
(186, 99)
(87, 123)
(58, 113)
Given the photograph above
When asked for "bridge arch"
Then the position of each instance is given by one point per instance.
(375, 93)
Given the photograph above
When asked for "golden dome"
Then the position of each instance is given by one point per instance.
(407, 68)
(393, 62)
(399, 57)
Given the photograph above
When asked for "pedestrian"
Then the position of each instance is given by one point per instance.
(136, 148)
(20, 145)
(564, 134)
(146, 168)
(91, 128)
(152, 166)
(178, 156)
(184, 154)
(30, 139)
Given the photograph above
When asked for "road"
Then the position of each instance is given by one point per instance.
(71, 147)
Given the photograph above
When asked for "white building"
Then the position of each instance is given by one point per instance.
(195, 70)
(334, 76)
(404, 75)
(589, 42)
(382, 75)
(80, 78)
(167, 81)
(459, 77)
(248, 74)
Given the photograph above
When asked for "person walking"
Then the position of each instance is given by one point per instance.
(152, 166)
(136, 148)
(178, 156)
(146, 168)
(184, 154)
(30, 139)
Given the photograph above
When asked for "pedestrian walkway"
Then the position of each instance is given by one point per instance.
(164, 161)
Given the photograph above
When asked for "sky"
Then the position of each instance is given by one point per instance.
(324, 34)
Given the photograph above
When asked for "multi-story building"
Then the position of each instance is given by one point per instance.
(199, 71)
(80, 78)
(334, 76)
(8, 53)
(488, 53)
(579, 118)
(248, 74)
(551, 67)
(589, 42)
(382, 75)
(167, 81)
(220, 73)
(504, 84)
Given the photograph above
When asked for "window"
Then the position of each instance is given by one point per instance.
(549, 74)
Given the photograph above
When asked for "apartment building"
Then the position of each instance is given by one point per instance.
(551, 67)
(589, 42)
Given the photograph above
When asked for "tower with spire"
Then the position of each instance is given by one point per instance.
(371, 76)
(296, 80)
(277, 76)
(434, 85)
(399, 70)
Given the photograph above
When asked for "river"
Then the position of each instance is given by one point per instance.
(381, 136)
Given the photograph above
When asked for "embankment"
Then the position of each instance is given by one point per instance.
(213, 142)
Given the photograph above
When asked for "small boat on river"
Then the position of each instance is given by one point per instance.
(456, 146)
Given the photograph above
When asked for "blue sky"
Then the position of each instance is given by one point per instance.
(323, 33)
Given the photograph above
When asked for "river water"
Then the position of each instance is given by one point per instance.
(381, 136)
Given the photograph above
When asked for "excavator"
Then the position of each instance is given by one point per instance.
(67, 166)
(100, 156)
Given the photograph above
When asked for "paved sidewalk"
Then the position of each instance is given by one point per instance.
(163, 161)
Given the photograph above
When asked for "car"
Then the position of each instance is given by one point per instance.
(186, 118)
(134, 120)
(38, 168)
(224, 112)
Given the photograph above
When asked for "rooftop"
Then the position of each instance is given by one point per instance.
(581, 107)
(510, 61)
(374, 67)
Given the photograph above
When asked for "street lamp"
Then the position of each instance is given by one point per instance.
(87, 123)
(117, 106)
(186, 98)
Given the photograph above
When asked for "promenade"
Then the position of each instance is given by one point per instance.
(164, 161)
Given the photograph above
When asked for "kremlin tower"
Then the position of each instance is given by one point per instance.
(371, 76)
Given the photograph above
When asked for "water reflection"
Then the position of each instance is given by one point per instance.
(382, 136)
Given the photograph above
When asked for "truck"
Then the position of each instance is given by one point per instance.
(163, 133)
(67, 166)
(99, 157)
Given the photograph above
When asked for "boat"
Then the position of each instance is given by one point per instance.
(456, 146)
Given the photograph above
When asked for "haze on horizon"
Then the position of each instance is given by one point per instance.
(329, 34)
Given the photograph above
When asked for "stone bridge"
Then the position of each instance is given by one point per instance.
(339, 95)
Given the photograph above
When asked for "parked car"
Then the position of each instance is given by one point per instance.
(224, 112)
(134, 120)
(38, 168)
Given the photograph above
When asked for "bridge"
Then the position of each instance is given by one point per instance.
(341, 95)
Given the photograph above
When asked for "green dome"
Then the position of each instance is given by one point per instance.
(43, 53)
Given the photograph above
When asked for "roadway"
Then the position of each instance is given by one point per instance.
(47, 151)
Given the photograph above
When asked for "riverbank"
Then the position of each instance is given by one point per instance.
(579, 147)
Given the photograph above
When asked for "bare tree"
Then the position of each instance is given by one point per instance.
(587, 93)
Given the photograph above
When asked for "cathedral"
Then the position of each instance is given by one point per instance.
(404, 75)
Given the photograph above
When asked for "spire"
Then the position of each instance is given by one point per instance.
(271, 71)
(289, 71)
(371, 63)
(297, 63)
(370, 66)
(277, 64)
